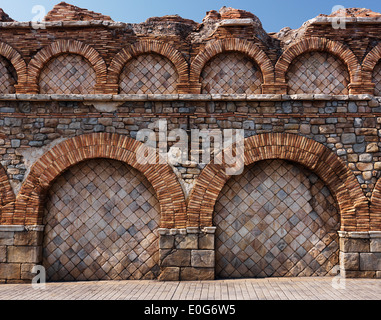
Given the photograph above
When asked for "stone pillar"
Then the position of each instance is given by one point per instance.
(187, 254)
(20, 251)
(360, 254)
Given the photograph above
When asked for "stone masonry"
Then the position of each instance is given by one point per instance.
(78, 89)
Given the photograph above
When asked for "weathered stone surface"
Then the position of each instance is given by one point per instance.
(26, 271)
(24, 254)
(370, 261)
(166, 242)
(203, 258)
(349, 261)
(175, 258)
(375, 245)
(6, 238)
(170, 274)
(10, 271)
(28, 238)
(192, 274)
(348, 138)
(187, 241)
(354, 245)
(206, 241)
(3, 254)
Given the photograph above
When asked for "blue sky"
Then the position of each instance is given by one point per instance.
(274, 14)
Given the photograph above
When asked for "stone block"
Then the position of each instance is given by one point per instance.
(203, 258)
(26, 271)
(370, 261)
(354, 245)
(24, 254)
(170, 274)
(196, 274)
(348, 138)
(206, 241)
(175, 258)
(28, 238)
(6, 238)
(10, 271)
(358, 274)
(166, 242)
(349, 261)
(187, 241)
(3, 254)
(375, 245)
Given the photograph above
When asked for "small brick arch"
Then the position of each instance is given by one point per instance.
(369, 63)
(314, 156)
(29, 202)
(66, 46)
(143, 47)
(318, 44)
(7, 198)
(227, 45)
(375, 208)
(16, 60)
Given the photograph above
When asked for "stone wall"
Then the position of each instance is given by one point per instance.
(77, 93)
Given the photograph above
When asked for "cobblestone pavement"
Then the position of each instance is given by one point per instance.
(326, 288)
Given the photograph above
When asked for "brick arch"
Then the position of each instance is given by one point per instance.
(7, 198)
(29, 202)
(16, 60)
(314, 156)
(318, 44)
(144, 47)
(375, 208)
(369, 63)
(227, 45)
(66, 46)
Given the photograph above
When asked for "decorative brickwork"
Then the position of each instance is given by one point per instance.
(148, 73)
(227, 45)
(16, 61)
(8, 77)
(231, 73)
(377, 79)
(67, 74)
(7, 198)
(276, 219)
(78, 92)
(67, 46)
(352, 204)
(318, 44)
(29, 210)
(100, 221)
(146, 47)
(317, 72)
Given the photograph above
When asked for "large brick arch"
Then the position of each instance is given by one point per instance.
(370, 61)
(143, 47)
(16, 60)
(66, 46)
(314, 156)
(29, 202)
(7, 198)
(375, 208)
(227, 45)
(318, 44)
